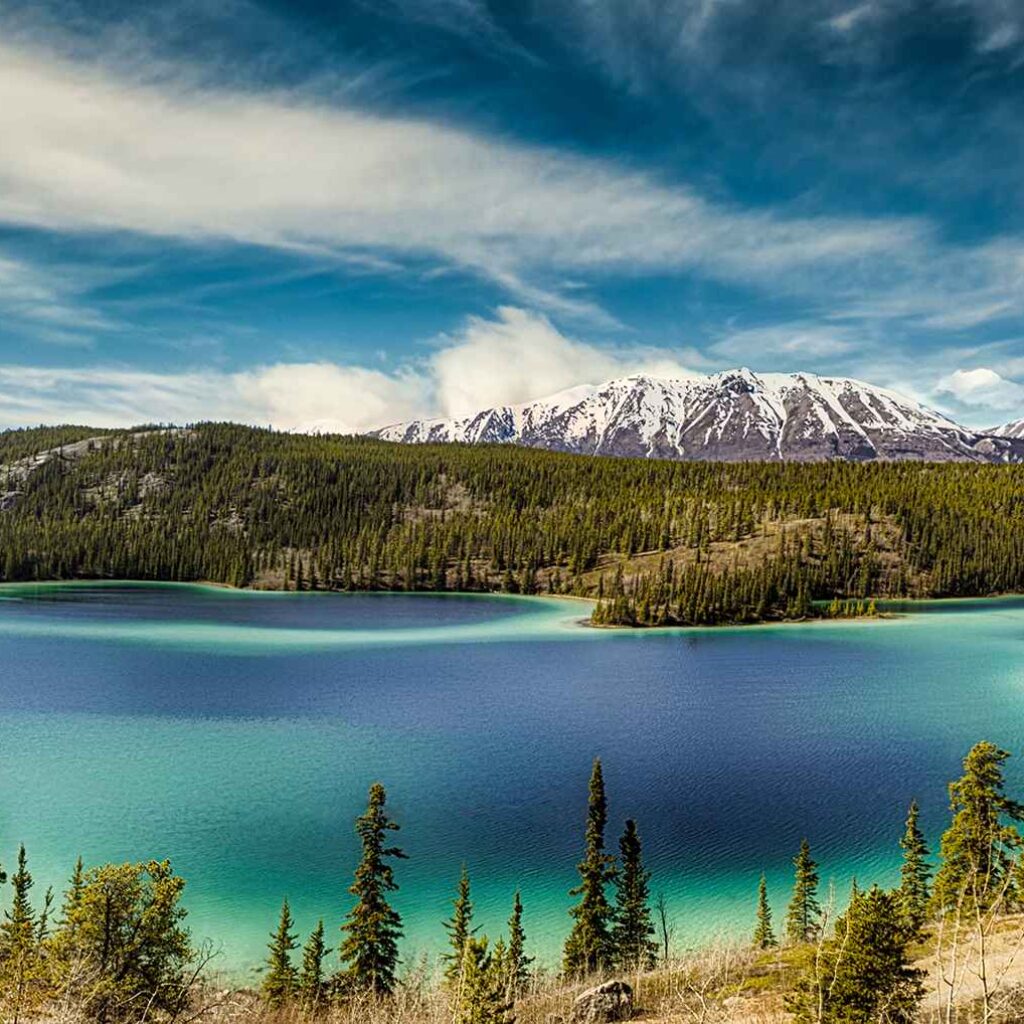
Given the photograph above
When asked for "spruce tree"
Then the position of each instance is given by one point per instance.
(915, 875)
(480, 994)
(17, 931)
(588, 947)
(311, 976)
(373, 927)
(804, 911)
(72, 896)
(978, 849)
(18, 941)
(518, 963)
(863, 974)
(633, 931)
(764, 935)
(459, 927)
(280, 980)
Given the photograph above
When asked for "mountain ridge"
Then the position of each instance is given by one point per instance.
(1013, 429)
(734, 415)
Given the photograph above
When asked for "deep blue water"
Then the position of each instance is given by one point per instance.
(237, 735)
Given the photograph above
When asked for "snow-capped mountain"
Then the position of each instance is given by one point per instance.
(732, 416)
(1015, 428)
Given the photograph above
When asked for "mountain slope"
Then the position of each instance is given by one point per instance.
(732, 416)
(1013, 429)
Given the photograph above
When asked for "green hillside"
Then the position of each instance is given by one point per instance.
(658, 542)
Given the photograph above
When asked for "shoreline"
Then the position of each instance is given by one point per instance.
(889, 609)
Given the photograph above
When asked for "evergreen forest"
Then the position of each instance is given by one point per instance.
(653, 542)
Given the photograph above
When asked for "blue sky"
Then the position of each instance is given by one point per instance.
(341, 214)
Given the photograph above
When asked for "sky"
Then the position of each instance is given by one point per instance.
(337, 214)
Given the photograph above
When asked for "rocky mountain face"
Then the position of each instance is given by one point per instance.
(732, 416)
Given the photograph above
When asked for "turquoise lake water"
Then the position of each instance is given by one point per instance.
(237, 733)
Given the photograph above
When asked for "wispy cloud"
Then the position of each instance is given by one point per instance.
(787, 346)
(87, 150)
(49, 303)
(471, 20)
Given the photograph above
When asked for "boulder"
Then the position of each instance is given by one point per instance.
(610, 1001)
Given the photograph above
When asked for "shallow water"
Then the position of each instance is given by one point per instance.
(236, 733)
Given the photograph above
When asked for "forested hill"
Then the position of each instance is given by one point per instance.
(657, 541)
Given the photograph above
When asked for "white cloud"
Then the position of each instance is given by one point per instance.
(849, 19)
(521, 356)
(84, 149)
(982, 387)
(515, 357)
(328, 397)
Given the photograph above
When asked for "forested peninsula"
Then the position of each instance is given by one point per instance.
(654, 543)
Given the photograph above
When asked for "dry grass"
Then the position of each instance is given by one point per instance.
(719, 984)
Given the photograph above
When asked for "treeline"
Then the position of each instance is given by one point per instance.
(118, 950)
(655, 542)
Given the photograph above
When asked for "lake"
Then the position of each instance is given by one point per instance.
(236, 733)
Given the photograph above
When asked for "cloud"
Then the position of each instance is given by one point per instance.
(797, 343)
(48, 303)
(86, 150)
(849, 19)
(469, 19)
(982, 387)
(329, 397)
(520, 356)
(515, 357)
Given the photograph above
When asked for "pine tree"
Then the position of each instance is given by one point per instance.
(863, 974)
(373, 928)
(764, 936)
(978, 848)
(804, 910)
(633, 931)
(280, 980)
(18, 928)
(915, 875)
(18, 941)
(311, 976)
(479, 996)
(73, 895)
(518, 962)
(588, 947)
(459, 927)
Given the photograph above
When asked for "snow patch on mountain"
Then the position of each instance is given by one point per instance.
(735, 415)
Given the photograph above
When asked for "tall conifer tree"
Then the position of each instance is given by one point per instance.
(518, 961)
(311, 976)
(979, 847)
(18, 941)
(804, 910)
(764, 935)
(459, 927)
(18, 928)
(280, 980)
(588, 947)
(633, 931)
(373, 927)
(915, 874)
